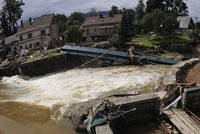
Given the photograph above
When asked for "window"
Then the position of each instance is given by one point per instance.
(29, 35)
(20, 38)
(43, 32)
(95, 30)
(30, 45)
(20, 47)
(26, 47)
(88, 31)
(37, 44)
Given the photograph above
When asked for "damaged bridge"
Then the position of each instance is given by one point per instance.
(115, 55)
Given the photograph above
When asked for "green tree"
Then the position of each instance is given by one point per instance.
(169, 24)
(61, 19)
(114, 10)
(12, 12)
(115, 40)
(147, 22)
(126, 25)
(130, 18)
(198, 25)
(76, 16)
(151, 5)
(4, 25)
(159, 22)
(139, 12)
(73, 33)
(158, 19)
(177, 7)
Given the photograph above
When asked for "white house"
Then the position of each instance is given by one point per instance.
(34, 34)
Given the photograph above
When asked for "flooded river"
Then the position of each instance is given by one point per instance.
(27, 106)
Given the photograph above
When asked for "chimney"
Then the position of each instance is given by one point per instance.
(101, 15)
(30, 20)
(22, 23)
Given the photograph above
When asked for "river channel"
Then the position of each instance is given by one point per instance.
(30, 105)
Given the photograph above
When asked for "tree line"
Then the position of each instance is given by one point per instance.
(159, 16)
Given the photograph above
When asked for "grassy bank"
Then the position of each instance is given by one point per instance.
(150, 40)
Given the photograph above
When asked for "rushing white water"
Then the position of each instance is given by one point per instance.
(80, 85)
(28, 106)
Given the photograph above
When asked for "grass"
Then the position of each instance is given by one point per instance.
(150, 40)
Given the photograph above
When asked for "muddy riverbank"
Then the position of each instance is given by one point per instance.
(193, 75)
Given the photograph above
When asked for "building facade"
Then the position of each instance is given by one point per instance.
(101, 27)
(34, 34)
(186, 24)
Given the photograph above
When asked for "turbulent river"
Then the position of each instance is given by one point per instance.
(27, 106)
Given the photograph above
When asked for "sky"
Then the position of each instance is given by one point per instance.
(35, 8)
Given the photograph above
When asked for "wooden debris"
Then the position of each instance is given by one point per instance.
(184, 123)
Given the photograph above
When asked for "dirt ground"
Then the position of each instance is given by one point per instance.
(194, 74)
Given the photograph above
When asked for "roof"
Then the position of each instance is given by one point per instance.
(36, 23)
(184, 21)
(97, 20)
(11, 39)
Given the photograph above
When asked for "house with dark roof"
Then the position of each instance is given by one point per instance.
(186, 23)
(101, 27)
(34, 34)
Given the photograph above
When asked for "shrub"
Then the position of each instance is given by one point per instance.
(115, 41)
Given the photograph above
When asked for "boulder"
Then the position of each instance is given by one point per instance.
(78, 113)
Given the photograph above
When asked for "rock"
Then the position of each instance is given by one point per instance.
(78, 113)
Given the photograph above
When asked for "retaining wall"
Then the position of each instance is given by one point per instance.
(178, 73)
(48, 65)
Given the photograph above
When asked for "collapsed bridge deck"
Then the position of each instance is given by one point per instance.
(114, 55)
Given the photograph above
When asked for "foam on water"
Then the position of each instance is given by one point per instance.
(80, 85)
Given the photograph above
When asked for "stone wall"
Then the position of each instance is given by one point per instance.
(176, 75)
(179, 72)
